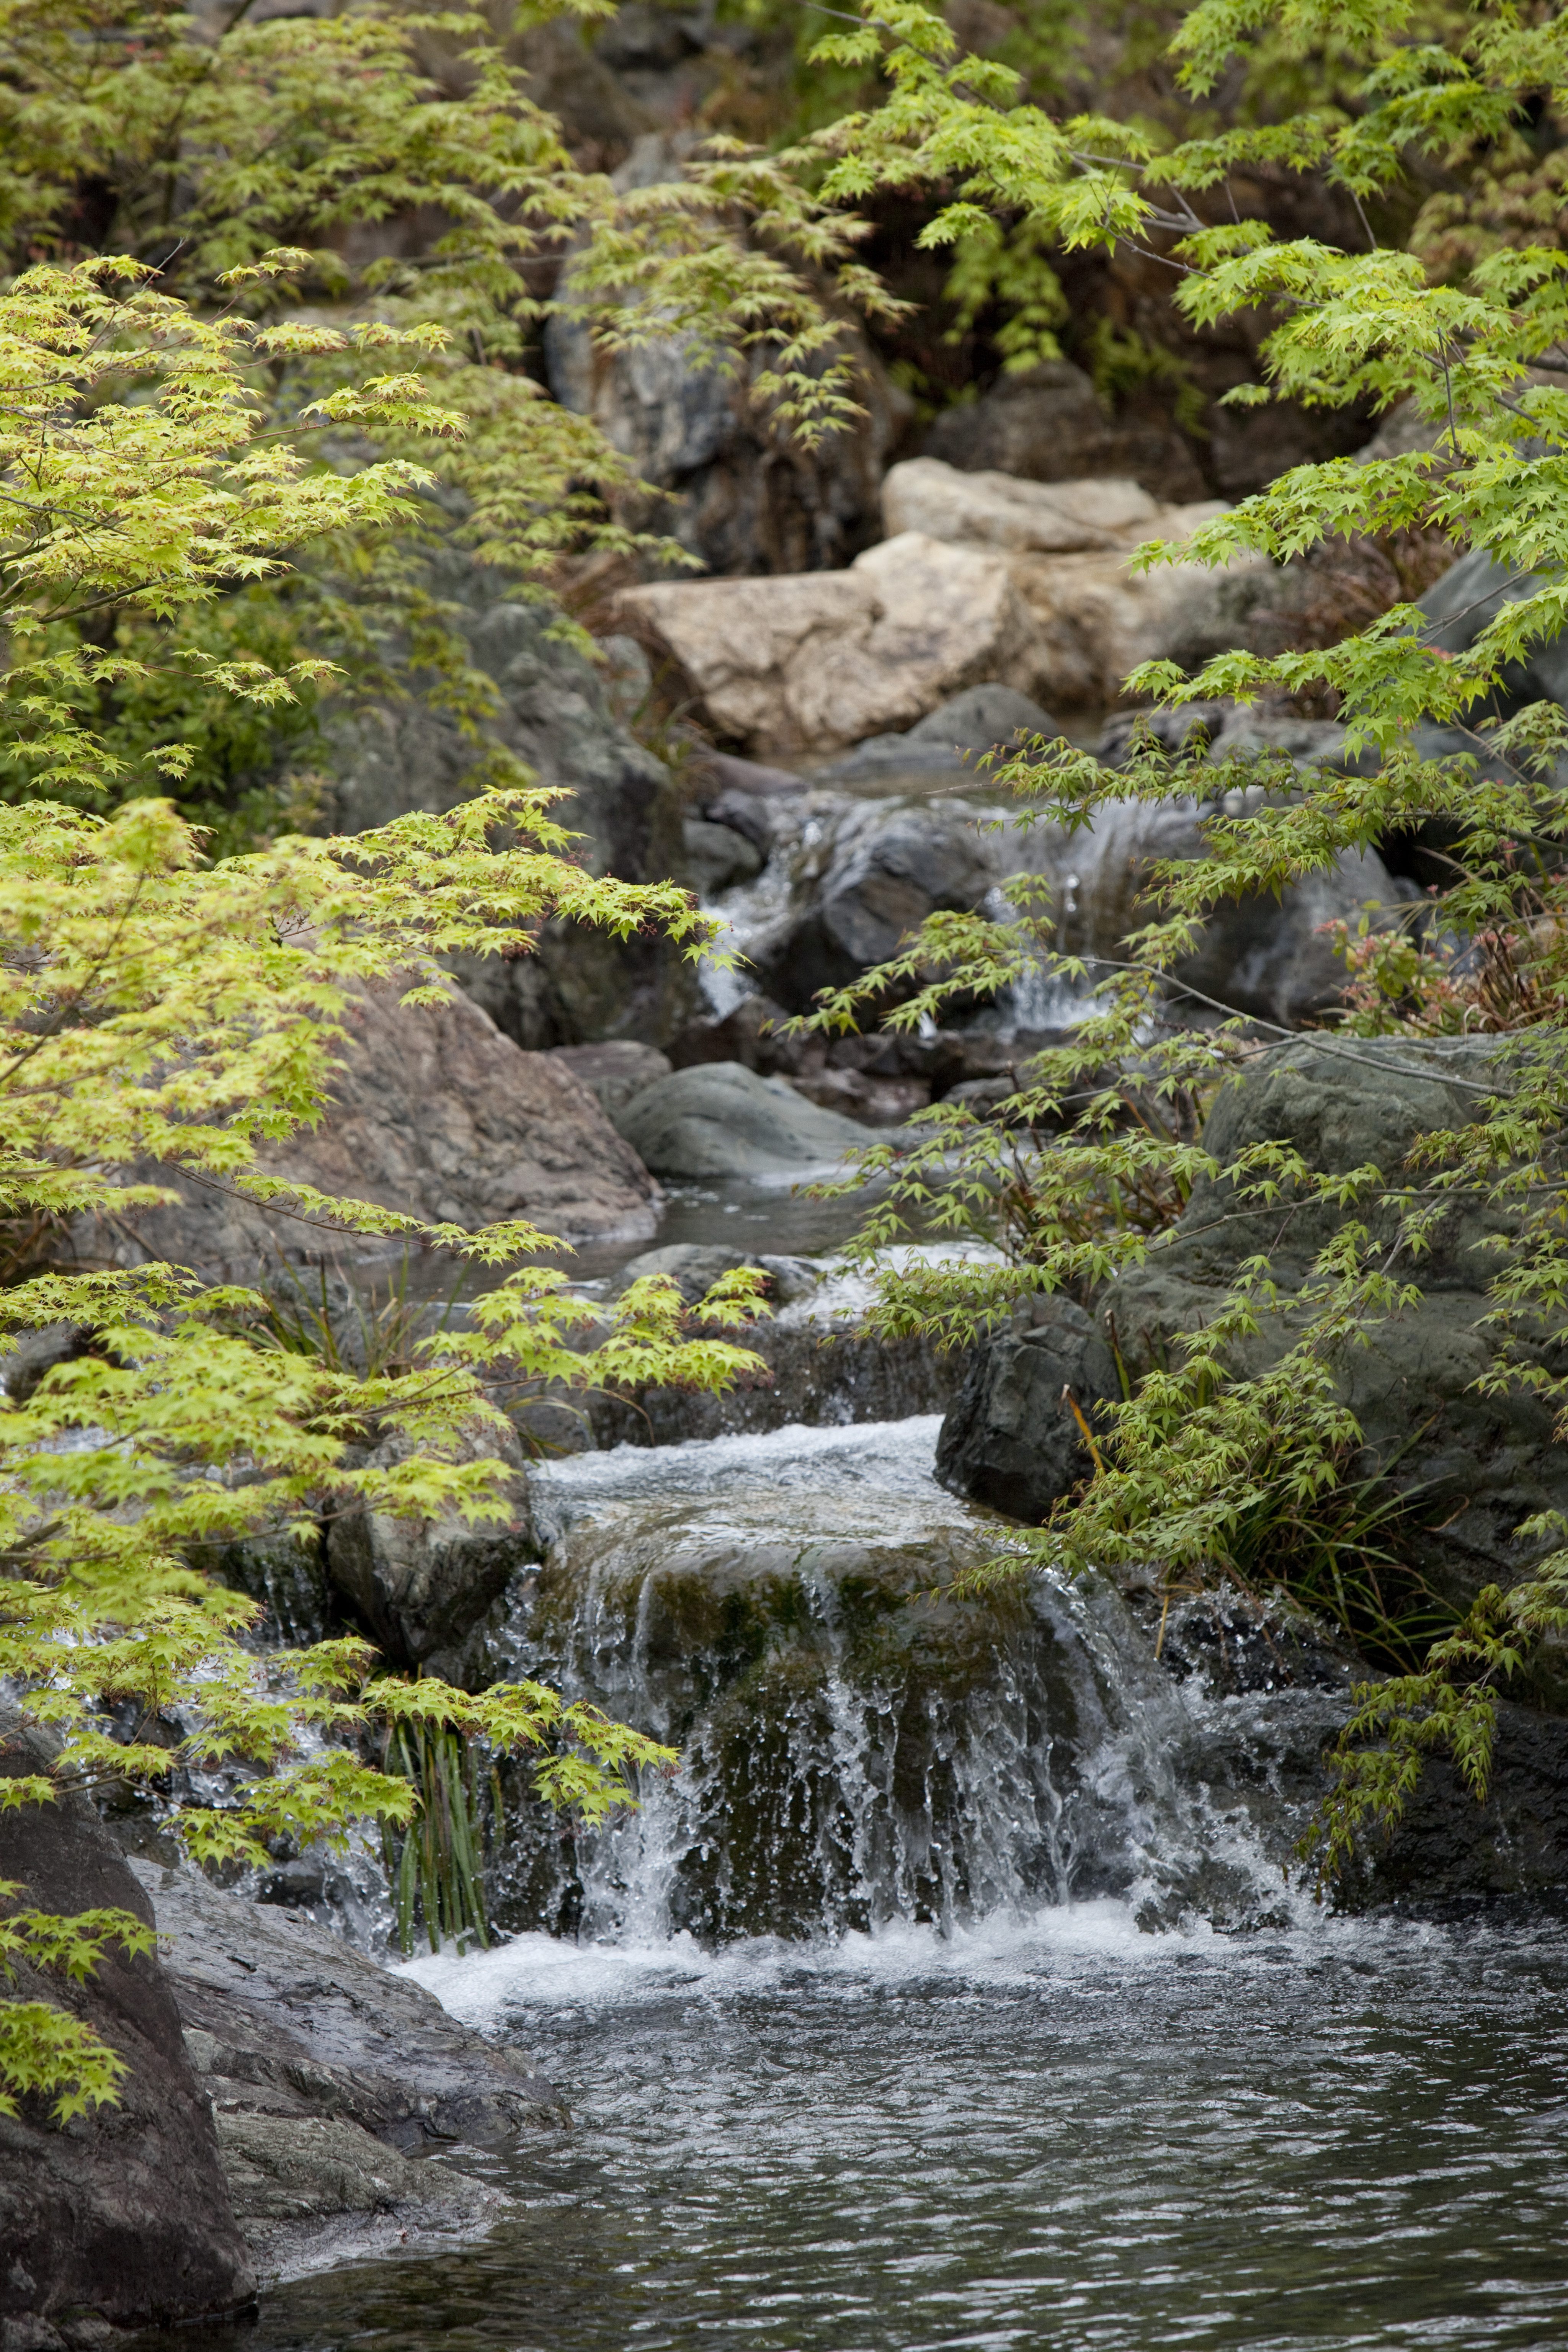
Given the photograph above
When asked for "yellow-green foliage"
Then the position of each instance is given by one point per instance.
(161, 1015)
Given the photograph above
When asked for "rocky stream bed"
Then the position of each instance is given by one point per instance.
(904, 1822)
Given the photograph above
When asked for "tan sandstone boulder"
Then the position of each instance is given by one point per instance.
(995, 509)
(1066, 546)
(433, 1113)
(819, 660)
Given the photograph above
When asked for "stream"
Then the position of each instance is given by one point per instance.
(952, 1994)
(1047, 2132)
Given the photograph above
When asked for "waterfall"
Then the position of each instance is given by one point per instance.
(860, 1746)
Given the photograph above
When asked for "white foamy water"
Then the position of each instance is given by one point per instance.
(498, 1990)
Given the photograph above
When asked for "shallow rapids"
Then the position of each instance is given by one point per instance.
(1058, 2133)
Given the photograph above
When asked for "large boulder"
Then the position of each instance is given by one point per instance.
(719, 1118)
(123, 2215)
(1092, 619)
(435, 1113)
(615, 1070)
(999, 510)
(812, 663)
(331, 2080)
(866, 873)
(1466, 600)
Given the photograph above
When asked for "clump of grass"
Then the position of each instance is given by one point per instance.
(436, 1869)
(349, 1329)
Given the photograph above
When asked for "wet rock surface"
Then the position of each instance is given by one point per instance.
(329, 2077)
(1268, 957)
(419, 1585)
(856, 1745)
(874, 872)
(123, 2216)
(818, 1378)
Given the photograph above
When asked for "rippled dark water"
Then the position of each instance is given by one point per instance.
(1065, 2136)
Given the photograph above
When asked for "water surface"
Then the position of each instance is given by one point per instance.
(1057, 2133)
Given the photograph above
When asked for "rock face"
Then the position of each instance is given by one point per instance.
(553, 712)
(812, 663)
(1093, 620)
(745, 498)
(1010, 1438)
(123, 2216)
(875, 870)
(719, 855)
(1481, 1463)
(436, 1114)
(326, 2075)
(719, 1118)
(1047, 425)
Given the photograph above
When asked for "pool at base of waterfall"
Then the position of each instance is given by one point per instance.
(1049, 2132)
(952, 1993)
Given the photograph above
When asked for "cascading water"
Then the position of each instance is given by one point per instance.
(860, 1746)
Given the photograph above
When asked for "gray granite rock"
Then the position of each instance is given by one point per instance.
(954, 738)
(719, 1118)
(1047, 425)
